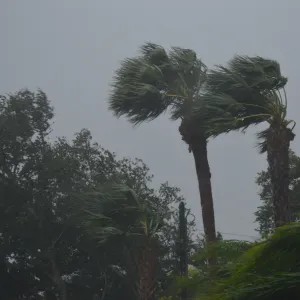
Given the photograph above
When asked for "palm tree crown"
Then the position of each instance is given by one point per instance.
(146, 86)
(250, 90)
(114, 210)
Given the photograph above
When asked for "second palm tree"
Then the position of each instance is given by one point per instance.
(250, 90)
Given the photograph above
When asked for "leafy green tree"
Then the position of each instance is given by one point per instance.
(158, 81)
(264, 214)
(248, 91)
(45, 254)
(25, 119)
(105, 210)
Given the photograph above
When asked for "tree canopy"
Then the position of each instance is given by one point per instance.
(45, 249)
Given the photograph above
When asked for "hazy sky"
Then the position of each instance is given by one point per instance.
(71, 48)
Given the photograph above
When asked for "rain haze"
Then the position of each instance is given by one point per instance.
(70, 49)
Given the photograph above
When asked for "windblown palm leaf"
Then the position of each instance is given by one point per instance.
(114, 210)
(146, 86)
(250, 90)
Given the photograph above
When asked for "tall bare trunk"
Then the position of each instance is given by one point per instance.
(183, 244)
(278, 159)
(199, 150)
(146, 271)
(189, 130)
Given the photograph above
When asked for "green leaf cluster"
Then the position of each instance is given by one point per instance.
(268, 270)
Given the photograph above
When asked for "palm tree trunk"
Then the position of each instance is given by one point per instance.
(183, 245)
(146, 271)
(278, 159)
(199, 150)
(198, 146)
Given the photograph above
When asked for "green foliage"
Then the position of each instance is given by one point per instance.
(202, 277)
(268, 270)
(146, 86)
(248, 91)
(116, 216)
(77, 222)
(264, 213)
(44, 249)
(226, 250)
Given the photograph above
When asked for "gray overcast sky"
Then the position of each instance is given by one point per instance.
(71, 48)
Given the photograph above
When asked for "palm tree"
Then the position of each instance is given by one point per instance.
(115, 215)
(250, 90)
(157, 81)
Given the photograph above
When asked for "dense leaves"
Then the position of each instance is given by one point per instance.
(268, 270)
(46, 249)
(262, 270)
(146, 86)
(248, 91)
(77, 222)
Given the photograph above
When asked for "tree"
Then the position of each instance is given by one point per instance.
(45, 254)
(116, 215)
(25, 118)
(264, 215)
(250, 90)
(156, 81)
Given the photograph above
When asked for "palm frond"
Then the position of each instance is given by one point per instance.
(218, 114)
(262, 137)
(154, 54)
(114, 210)
(244, 93)
(137, 91)
(191, 70)
(146, 86)
(259, 72)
